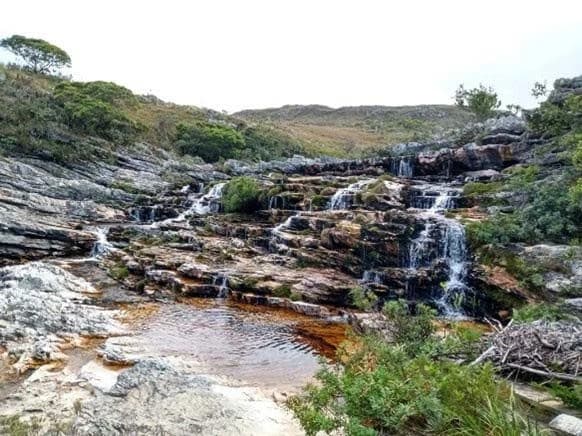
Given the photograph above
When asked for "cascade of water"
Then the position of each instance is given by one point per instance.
(454, 251)
(101, 246)
(201, 205)
(210, 202)
(451, 246)
(221, 282)
(372, 277)
(342, 199)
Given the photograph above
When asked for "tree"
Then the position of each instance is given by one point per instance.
(539, 90)
(482, 101)
(39, 55)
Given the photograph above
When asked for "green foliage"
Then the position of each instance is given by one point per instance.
(473, 189)
(363, 299)
(482, 101)
(534, 312)
(283, 291)
(39, 55)
(411, 331)
(14, 426)
(96, 108)
(119, 272)
(241, 194)
(209, 141)
(262, 143)
(552, 119)
(552, 214)
(382, 389)
(570, 395)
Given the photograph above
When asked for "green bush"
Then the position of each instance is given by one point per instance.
(283, 291)
(208, 141)
(388, 389)
(363, 299)
(94, 108)
(241, 194)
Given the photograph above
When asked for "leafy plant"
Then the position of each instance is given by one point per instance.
(482, 101)
(363, 298)
(241, 194)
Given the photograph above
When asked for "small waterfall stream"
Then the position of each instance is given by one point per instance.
(102, 246)
(451, 241)
(201, 205)
(343, 198)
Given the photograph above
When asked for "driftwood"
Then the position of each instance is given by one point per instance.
(550, 350)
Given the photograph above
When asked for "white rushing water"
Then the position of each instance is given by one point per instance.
(452, 248)
(404, 168)
(221, 282)
(343, 198)
(102, 246)
(201, 205)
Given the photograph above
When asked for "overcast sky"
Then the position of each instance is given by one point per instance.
(236, 54)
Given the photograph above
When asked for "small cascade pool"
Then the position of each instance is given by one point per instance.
(257, 345)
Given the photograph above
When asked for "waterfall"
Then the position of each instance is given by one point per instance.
(102, 246)
(403, 167)
(209, 202)
(372, 277)
(455, 254)
(343, 198)
(276, 232)
(221, 282)
(452, 247)
(202, 205)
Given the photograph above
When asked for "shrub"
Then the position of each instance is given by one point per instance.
(381, 389)
(241, 194)
(94, 108)
(283, 291)
(363, 299)
(211, 142)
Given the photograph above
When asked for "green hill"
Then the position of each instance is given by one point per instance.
(360, 129)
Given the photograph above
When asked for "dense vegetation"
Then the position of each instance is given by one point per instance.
(62, 120)
(409, 385)
(545, 200)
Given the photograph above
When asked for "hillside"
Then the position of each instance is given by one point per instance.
(358, 130)
(62, 120)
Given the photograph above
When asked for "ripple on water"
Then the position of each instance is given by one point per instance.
(257, 345)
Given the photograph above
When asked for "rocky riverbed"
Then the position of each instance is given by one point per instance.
(130, 303)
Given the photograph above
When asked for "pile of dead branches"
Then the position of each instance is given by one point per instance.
(543, 349)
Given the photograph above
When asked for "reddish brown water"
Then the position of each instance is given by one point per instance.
(257, 345)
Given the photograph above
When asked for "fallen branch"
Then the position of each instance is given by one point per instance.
(559, 376)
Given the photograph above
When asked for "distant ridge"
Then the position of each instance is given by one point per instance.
(355, 130)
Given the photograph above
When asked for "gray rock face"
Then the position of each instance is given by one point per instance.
(564, 88)
(565, 274)
(567, 424)
(160, 399)
(43, 203)
(42, 307)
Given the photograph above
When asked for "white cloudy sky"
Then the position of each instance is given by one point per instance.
(235, 54)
